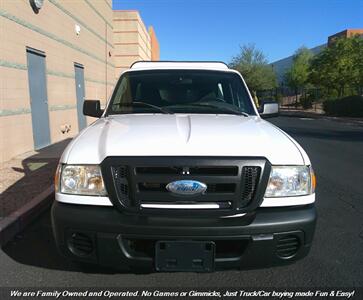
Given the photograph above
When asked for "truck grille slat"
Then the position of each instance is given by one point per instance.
(156, 178)
(199, 205)
(211, 187)
(208, 170)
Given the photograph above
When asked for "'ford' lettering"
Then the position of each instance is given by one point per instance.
(186, 187)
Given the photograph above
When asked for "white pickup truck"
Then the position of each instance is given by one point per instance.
(181, 173)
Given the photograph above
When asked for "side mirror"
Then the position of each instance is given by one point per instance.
(92, 108)
(269, 109)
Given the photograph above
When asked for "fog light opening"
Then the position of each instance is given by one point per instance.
(288, 246)
(80, 244)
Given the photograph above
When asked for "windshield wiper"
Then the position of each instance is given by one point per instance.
(141, 103)
(235, 111)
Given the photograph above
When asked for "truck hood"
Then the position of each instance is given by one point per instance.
(182, 135)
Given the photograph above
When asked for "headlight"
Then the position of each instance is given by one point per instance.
(290, 181)
(81, 180)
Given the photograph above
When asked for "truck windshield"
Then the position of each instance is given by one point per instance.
(180, 91)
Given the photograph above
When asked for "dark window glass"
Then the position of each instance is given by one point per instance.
(180, 91)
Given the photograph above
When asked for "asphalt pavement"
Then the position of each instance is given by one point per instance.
(335, 260)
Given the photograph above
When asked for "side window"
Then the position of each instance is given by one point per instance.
(122, 93)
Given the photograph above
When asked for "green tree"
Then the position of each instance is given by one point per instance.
(357, 57)
(253, 65)
(339, 66)
(297, 76)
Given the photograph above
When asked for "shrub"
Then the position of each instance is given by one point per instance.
(307, 101)
(278, 97)
(351, 106)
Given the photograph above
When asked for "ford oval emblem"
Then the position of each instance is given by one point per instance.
(186, 187)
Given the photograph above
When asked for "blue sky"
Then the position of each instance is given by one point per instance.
(214, 29)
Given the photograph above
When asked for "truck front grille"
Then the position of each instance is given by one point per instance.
(139, 183)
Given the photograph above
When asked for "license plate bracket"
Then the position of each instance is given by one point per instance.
(184, 256)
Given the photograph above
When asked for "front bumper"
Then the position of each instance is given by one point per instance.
(125, 241)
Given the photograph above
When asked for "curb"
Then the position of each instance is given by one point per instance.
(298, 114)
(19, 219)
(302, 114)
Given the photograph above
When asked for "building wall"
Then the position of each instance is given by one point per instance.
(52, 30)
(345, 34)
(155, 49)
(132, 41)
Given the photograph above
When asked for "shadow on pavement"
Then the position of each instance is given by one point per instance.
(35, 246)
(25, 178)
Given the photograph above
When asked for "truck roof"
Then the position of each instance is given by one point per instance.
(150, 65)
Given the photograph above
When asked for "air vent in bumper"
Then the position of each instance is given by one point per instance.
(80, 244)
(287, 246)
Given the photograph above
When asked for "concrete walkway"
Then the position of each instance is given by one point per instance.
(26, 183)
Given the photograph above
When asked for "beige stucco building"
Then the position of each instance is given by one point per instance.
(132, 41)
(51, 58)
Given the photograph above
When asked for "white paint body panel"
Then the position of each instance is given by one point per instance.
(158, 65)
(181, 135)
(288, 201)
(83, 200)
